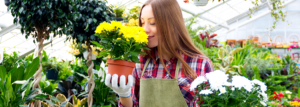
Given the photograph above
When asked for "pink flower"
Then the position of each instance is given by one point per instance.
(298, 71)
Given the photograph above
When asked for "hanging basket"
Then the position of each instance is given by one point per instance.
(294, 41)
(120, 67)
(200, 2)
(279, 44)
(254, 39)
(267, 44)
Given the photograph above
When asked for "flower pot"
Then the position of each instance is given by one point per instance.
(85, 54)
(119, 19)
(120, 67)
(200, 2)
(6, 2)
(52, 74)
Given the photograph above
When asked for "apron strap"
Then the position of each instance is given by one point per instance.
(145, 66)
(176, 71)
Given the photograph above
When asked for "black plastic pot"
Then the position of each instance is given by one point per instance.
(52, 74)
(6, 2)
(119, 19)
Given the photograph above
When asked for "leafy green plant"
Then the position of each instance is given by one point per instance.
(47, 86)
(102, 94)
(226, 56)
(15, 86)
(65, 70)
(64, 102)
(119, 11)
(10, 60)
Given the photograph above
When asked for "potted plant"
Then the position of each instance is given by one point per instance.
(200, 2)
(119, 12)
(51, 68)
(7, 2)
(121, 45)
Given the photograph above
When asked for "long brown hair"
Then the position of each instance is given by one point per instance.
(172, 32)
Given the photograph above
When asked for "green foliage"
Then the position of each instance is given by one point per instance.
(277, 82)
(65, 70)
(47, 86)
(87, 16)
(119, 11)
(194, 33)
(15, 86)
(10, 60)
(226, 56)
(132, 13)
(102, 94)
(40, 17)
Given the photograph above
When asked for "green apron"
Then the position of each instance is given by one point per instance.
(160, 92)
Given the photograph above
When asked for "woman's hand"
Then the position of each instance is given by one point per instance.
(124, 90)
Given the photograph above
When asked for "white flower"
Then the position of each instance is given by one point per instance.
(222, 90)
(265, 96)
(262, 85)
(232, 88)
(242, 82)
(205, 92)
(196, 82)
(101, 71)
(263, 103)
(217, 79)
(288, 92)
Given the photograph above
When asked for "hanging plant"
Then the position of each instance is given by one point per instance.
(276, 7)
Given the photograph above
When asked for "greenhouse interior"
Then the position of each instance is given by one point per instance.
(94, 53)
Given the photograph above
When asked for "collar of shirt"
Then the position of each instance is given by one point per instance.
(155, 55)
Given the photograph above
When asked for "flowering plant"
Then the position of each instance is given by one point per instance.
(77, 50)
(220, 92)
(121, 42)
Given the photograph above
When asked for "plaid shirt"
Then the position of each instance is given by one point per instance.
(155, 69)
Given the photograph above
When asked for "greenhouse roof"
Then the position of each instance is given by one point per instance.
(219, 15)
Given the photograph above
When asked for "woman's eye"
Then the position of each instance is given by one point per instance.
(152, 23)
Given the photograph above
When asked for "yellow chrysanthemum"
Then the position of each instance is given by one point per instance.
(116, 24)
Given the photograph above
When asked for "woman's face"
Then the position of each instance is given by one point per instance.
(148, 23)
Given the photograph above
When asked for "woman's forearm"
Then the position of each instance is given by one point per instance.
(126, 102)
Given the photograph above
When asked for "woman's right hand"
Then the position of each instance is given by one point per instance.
(124, 90)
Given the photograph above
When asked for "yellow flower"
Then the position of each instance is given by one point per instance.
(116, 24)
(79, 103)
(83, 45)
(95, 53)
(108, 57)
(118, 38)
(124, 15)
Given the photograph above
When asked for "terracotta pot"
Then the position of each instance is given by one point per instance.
(120, 67)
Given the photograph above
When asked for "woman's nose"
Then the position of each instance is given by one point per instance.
(147, 29)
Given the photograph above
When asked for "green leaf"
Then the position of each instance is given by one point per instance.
(97, 44)
(103, 54)
(95, 20)
(31, 69)
(2, 73)
(90, 20)
(18, 74)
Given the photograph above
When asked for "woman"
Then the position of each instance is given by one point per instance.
(163, 77)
